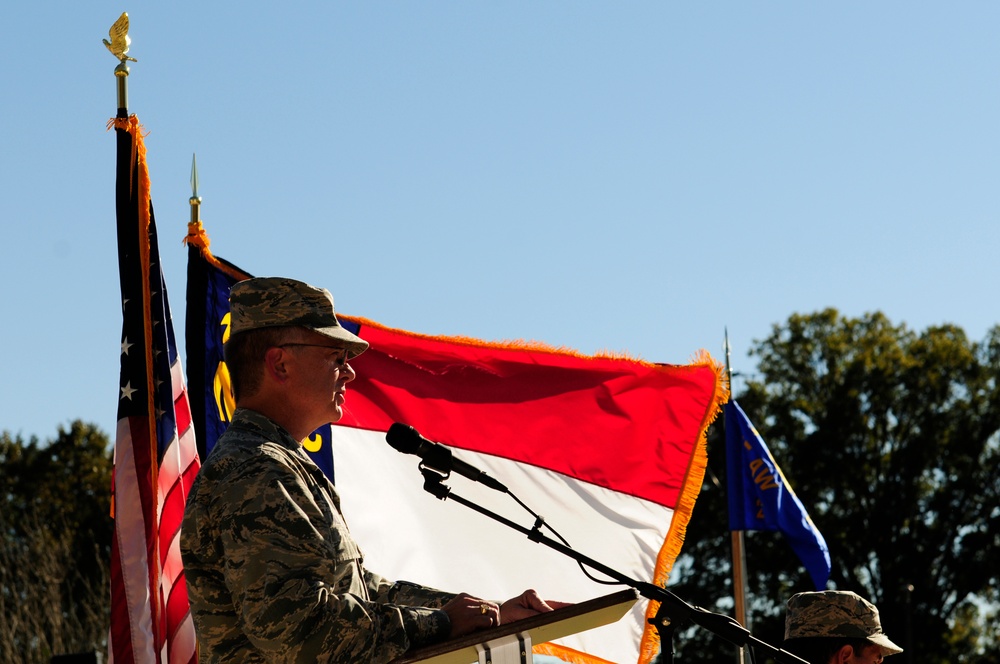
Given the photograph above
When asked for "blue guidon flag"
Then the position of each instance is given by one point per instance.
(760, 497)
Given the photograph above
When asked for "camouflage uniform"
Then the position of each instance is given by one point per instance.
(273, 574)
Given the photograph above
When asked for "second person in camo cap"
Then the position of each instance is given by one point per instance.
(835, 627)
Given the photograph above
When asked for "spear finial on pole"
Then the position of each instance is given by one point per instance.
(119, 47)
(729, 367)
(195, 199)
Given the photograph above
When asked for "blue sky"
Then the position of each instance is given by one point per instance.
(628, 176)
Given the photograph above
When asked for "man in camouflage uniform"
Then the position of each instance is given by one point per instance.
(835, 627)
(272, 572)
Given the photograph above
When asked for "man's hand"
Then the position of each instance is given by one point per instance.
(525, 605)
(469, 614)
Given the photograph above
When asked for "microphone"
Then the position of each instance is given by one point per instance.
(404, 438)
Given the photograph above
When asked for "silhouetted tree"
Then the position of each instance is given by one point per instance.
(55, 539)
(892, 441)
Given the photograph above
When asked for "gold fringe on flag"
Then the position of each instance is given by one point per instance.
(198, 238)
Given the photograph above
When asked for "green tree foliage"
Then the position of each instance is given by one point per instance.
(891, 439)
(55, 544)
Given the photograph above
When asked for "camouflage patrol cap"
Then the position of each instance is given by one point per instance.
(278, 302)
(836, 614)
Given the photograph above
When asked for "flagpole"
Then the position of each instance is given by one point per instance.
(195, 199)
(121, 75)
(739, 556)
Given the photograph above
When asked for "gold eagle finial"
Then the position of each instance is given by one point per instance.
(119, 39)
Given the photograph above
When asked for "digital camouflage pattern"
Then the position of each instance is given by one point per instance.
(836, 613)
(273, 574)
(277, 301)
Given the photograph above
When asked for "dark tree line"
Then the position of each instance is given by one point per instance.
(891, 438)
(55, 544)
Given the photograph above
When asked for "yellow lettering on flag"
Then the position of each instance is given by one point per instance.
(313, 443)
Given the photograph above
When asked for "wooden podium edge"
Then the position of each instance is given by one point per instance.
(542, 628)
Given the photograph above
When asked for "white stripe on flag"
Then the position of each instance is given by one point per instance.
(129, 529)
(183, 645)
(406, 533)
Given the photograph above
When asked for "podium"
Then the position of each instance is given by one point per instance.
(542, 628)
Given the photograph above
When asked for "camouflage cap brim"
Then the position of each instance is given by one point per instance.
(279, 302)
(354, 344)
(887, 646)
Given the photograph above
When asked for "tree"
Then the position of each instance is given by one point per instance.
(55, 544)
(892, 440)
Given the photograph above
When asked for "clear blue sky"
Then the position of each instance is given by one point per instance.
(625, 176)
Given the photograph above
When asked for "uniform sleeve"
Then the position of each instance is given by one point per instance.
(296, 580)
(404, 593)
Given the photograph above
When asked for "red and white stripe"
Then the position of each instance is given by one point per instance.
(153, 623)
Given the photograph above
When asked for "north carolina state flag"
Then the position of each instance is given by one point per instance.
(610, 451)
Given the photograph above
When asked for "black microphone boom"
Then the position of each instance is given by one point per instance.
(404, 438)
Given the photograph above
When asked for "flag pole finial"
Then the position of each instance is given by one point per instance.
(119, 48)
(195, 199)
(729, 367)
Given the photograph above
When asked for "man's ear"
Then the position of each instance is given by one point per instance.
(845, 654)
(276, 364)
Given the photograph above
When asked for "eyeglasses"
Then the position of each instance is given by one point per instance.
(341, 361)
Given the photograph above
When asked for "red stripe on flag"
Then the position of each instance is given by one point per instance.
(183, 462)
(121, 623)
(476, 396)
(170, 519)
(135, 565)
(177, 605)
(182, 409)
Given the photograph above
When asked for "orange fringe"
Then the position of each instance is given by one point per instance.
(701, 359)
(567, 654)
(649, 646)
(197, 237)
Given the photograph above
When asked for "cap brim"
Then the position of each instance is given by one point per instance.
(887, 646)
(354, 344)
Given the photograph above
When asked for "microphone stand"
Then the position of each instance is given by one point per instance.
(673, 611)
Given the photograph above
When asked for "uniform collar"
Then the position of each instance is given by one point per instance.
(265, 426)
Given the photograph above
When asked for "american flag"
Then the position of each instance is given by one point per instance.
(156, 459)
